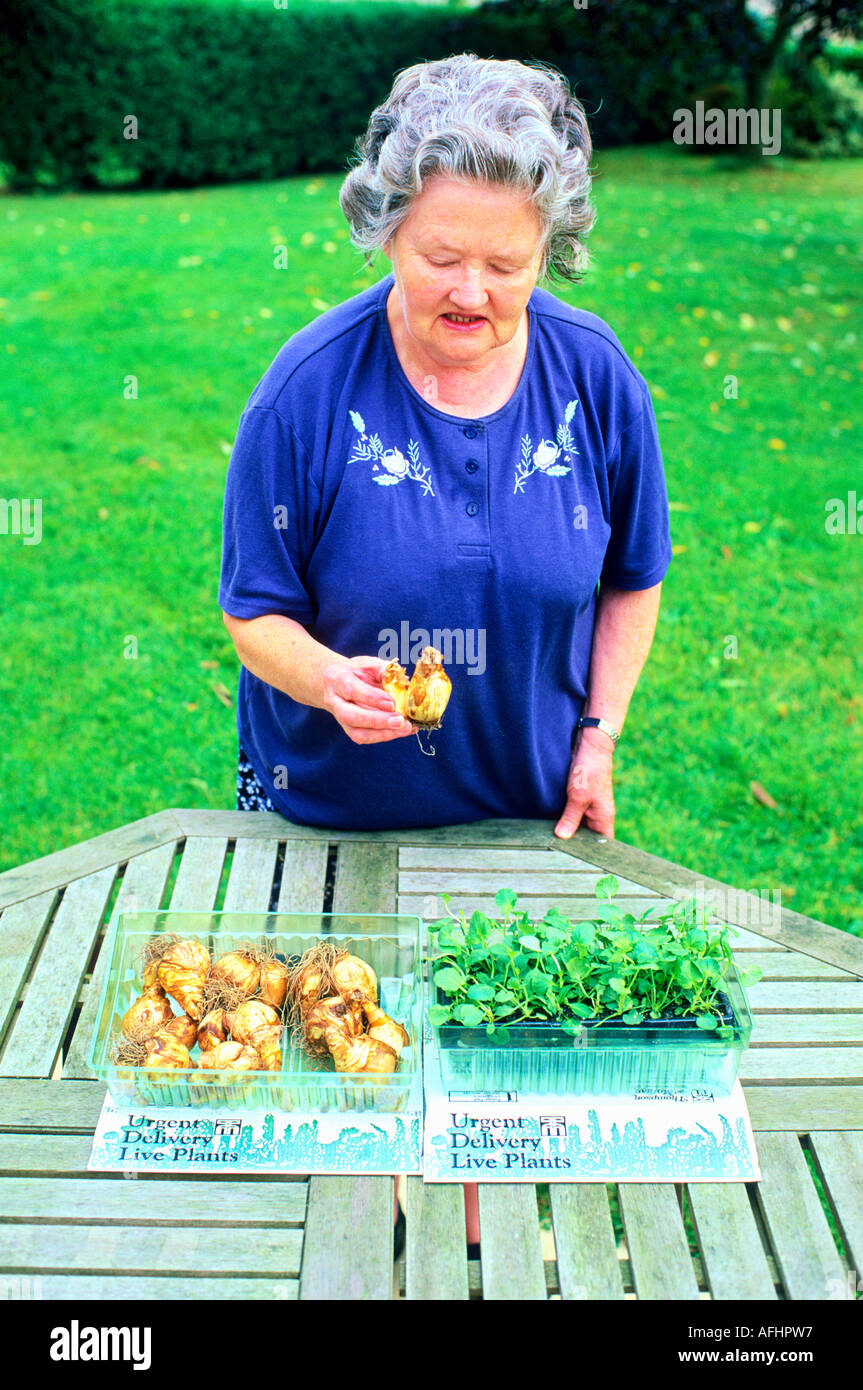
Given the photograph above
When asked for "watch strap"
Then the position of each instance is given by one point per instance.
(601, 724)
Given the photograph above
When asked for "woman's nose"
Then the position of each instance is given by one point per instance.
(469, 291)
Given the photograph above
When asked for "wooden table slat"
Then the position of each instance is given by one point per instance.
(511, 1253)
(788, 965)
(588, 1266)
(40, 1105)
(79, 861)
(22, 927)
(796, 996)
(304, 875)
(199, 875)
(160, 1202)
(528, 883)
(801, 1108)
(265, 825)
(655, 1236)
(44, 1155)
(789, 928)
(806, 1255)
(111, 1288)
(141, 891)
(733, 1257)
(786, 1064)
(52, 992)
(486, 857)
(435, 1251)
(251, 878)
(348, 1248)
(131, 1250)
(806, 1029)
(839, 1161)
(366, 878)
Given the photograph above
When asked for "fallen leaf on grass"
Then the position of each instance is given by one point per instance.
(727, 552)
(761, 794)
(144, 462)
(209, 665)
(223, 694)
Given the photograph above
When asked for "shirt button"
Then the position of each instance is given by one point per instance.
(472, 508)
(471, 432)
(471, 465)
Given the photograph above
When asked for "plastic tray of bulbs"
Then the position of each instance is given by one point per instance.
(239, 1010)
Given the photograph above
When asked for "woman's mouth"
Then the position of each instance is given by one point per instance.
(463, 321)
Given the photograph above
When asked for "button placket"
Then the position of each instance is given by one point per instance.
(473, 505)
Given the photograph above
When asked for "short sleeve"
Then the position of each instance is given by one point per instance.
(271, 504)
(639, 547)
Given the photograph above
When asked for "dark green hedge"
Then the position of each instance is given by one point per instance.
(225, 90)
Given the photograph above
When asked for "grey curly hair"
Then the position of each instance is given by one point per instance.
(494, 120)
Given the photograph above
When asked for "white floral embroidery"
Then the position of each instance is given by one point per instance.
(545, 458)
(389, 466)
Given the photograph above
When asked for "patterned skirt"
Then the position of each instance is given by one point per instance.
(251, 796)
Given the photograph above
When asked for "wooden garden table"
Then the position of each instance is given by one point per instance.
(70, 1234)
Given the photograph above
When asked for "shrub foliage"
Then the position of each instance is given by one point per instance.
(168, 93)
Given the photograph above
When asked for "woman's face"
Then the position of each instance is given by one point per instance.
(470, 250)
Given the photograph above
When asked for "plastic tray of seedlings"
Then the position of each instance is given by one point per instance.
(603, 1057)
(287, 1011)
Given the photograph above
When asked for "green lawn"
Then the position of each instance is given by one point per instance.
(704, 269)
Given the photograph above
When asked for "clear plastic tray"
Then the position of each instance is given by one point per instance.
(390, 944)
(609, 1058)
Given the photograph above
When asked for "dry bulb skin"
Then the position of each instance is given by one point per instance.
(147, 1015)
(231, 1056)
(167, 1051)
(383, 1028)
(424, 697)
(331, 1022)
(257, 1024)
(364, 1054)
(212, 1029)
(273, 988)
(184, 1028)
(150, 978)
(240, 969)
(311, 979)
(352, 976)
(183, 970)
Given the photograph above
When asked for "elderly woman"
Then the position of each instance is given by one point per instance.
(454, 451)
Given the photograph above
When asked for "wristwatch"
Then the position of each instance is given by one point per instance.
(601, 724)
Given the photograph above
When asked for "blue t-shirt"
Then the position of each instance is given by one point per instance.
(383, 524)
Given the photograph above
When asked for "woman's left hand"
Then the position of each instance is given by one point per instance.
(589, 795)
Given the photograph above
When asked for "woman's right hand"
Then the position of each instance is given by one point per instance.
(353, 695)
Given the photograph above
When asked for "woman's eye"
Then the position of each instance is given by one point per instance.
(441, 265)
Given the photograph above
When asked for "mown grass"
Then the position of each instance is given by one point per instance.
(705, 269)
